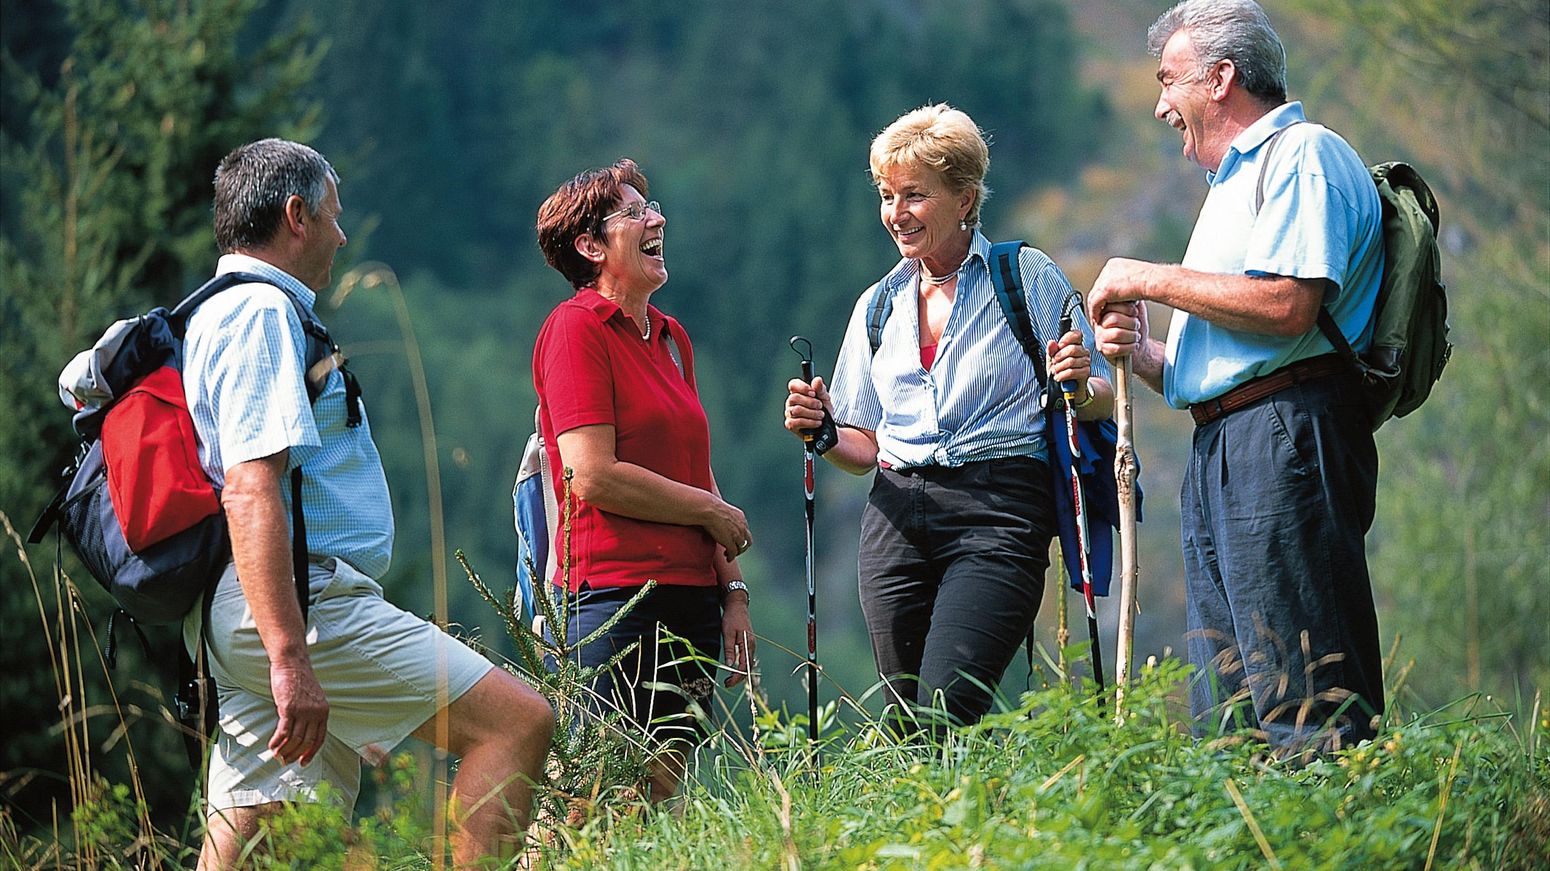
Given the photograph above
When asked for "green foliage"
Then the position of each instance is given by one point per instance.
(1055, 783)
(1460, 547)
(598, 759)
(107, 200)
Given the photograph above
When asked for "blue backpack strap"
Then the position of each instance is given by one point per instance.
(1097, 438)
(1006, 275)
(668, 326)
(877, 314)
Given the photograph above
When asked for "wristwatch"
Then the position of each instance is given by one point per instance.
(733, 586)
(1089, 400)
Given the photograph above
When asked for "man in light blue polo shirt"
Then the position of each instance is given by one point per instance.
(1280, 489)
(305, 696)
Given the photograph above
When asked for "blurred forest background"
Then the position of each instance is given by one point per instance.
(450, 122)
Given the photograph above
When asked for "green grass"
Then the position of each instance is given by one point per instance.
(1056, 785)
(1053, 784)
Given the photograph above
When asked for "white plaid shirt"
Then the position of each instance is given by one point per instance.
(243, 358)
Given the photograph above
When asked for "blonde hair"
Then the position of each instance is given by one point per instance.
(940, 138)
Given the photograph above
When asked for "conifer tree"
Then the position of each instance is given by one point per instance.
(107, 179)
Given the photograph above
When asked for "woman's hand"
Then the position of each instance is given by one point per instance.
(737, 643)
(635, 491)
(806, 404)
(854, 450)
(1069, 360)
(725, 523)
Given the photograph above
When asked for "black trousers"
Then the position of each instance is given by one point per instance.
(951, 573)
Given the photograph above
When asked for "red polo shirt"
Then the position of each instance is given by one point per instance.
(591, 366)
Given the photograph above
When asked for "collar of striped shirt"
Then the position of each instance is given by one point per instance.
(978, 401)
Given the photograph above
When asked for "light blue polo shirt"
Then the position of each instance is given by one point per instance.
(1321, 218)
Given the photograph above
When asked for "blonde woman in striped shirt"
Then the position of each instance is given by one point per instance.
(948, 412)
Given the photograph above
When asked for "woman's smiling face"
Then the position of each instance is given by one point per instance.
(633, 246)
(921, 212)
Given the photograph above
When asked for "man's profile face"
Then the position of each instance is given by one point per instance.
(1184, 100)
(323, 240)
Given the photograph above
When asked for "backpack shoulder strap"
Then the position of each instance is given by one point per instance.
(184, 310)
(1006, 276)
(669, 325)
(1264, 164)
(322, 355)
(319, 348)
(1326, 321)
(877, 311)
(181, 312)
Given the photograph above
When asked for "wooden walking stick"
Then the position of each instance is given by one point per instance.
(1062, 631)
(1125, 471)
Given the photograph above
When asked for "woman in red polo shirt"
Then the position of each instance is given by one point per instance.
(619, 408)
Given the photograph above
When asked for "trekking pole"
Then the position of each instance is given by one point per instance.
(808, 456)
(1125, 472)
(1069, 390)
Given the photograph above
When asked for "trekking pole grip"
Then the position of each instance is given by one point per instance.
(806, 353)
(1067, 388)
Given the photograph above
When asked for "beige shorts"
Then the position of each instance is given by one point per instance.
(385, 673)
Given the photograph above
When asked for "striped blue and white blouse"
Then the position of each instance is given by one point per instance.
(980, 399)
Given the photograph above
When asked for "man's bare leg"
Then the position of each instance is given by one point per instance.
(228, 832)
(501, 729)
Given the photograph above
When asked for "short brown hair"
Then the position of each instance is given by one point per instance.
(942, 139)
(578, 208)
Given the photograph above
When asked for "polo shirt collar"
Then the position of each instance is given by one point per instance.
(605, 308)
(1253, 136)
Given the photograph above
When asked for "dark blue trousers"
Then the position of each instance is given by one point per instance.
(665, 684)
(1276, 505)
(951, 572)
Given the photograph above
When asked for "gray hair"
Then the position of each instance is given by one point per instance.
(1235, 30)
(253, 183)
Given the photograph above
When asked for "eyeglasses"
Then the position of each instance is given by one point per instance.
(635, 211)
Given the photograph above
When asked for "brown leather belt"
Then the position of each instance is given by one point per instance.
(1252, 391)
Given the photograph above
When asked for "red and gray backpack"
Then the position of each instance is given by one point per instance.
(137, 506)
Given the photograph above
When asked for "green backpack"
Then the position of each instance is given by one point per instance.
(1410, 328)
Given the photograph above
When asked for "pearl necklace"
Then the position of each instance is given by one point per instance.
(647, 335)
(938, 280)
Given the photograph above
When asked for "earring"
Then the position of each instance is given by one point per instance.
(963, 224)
